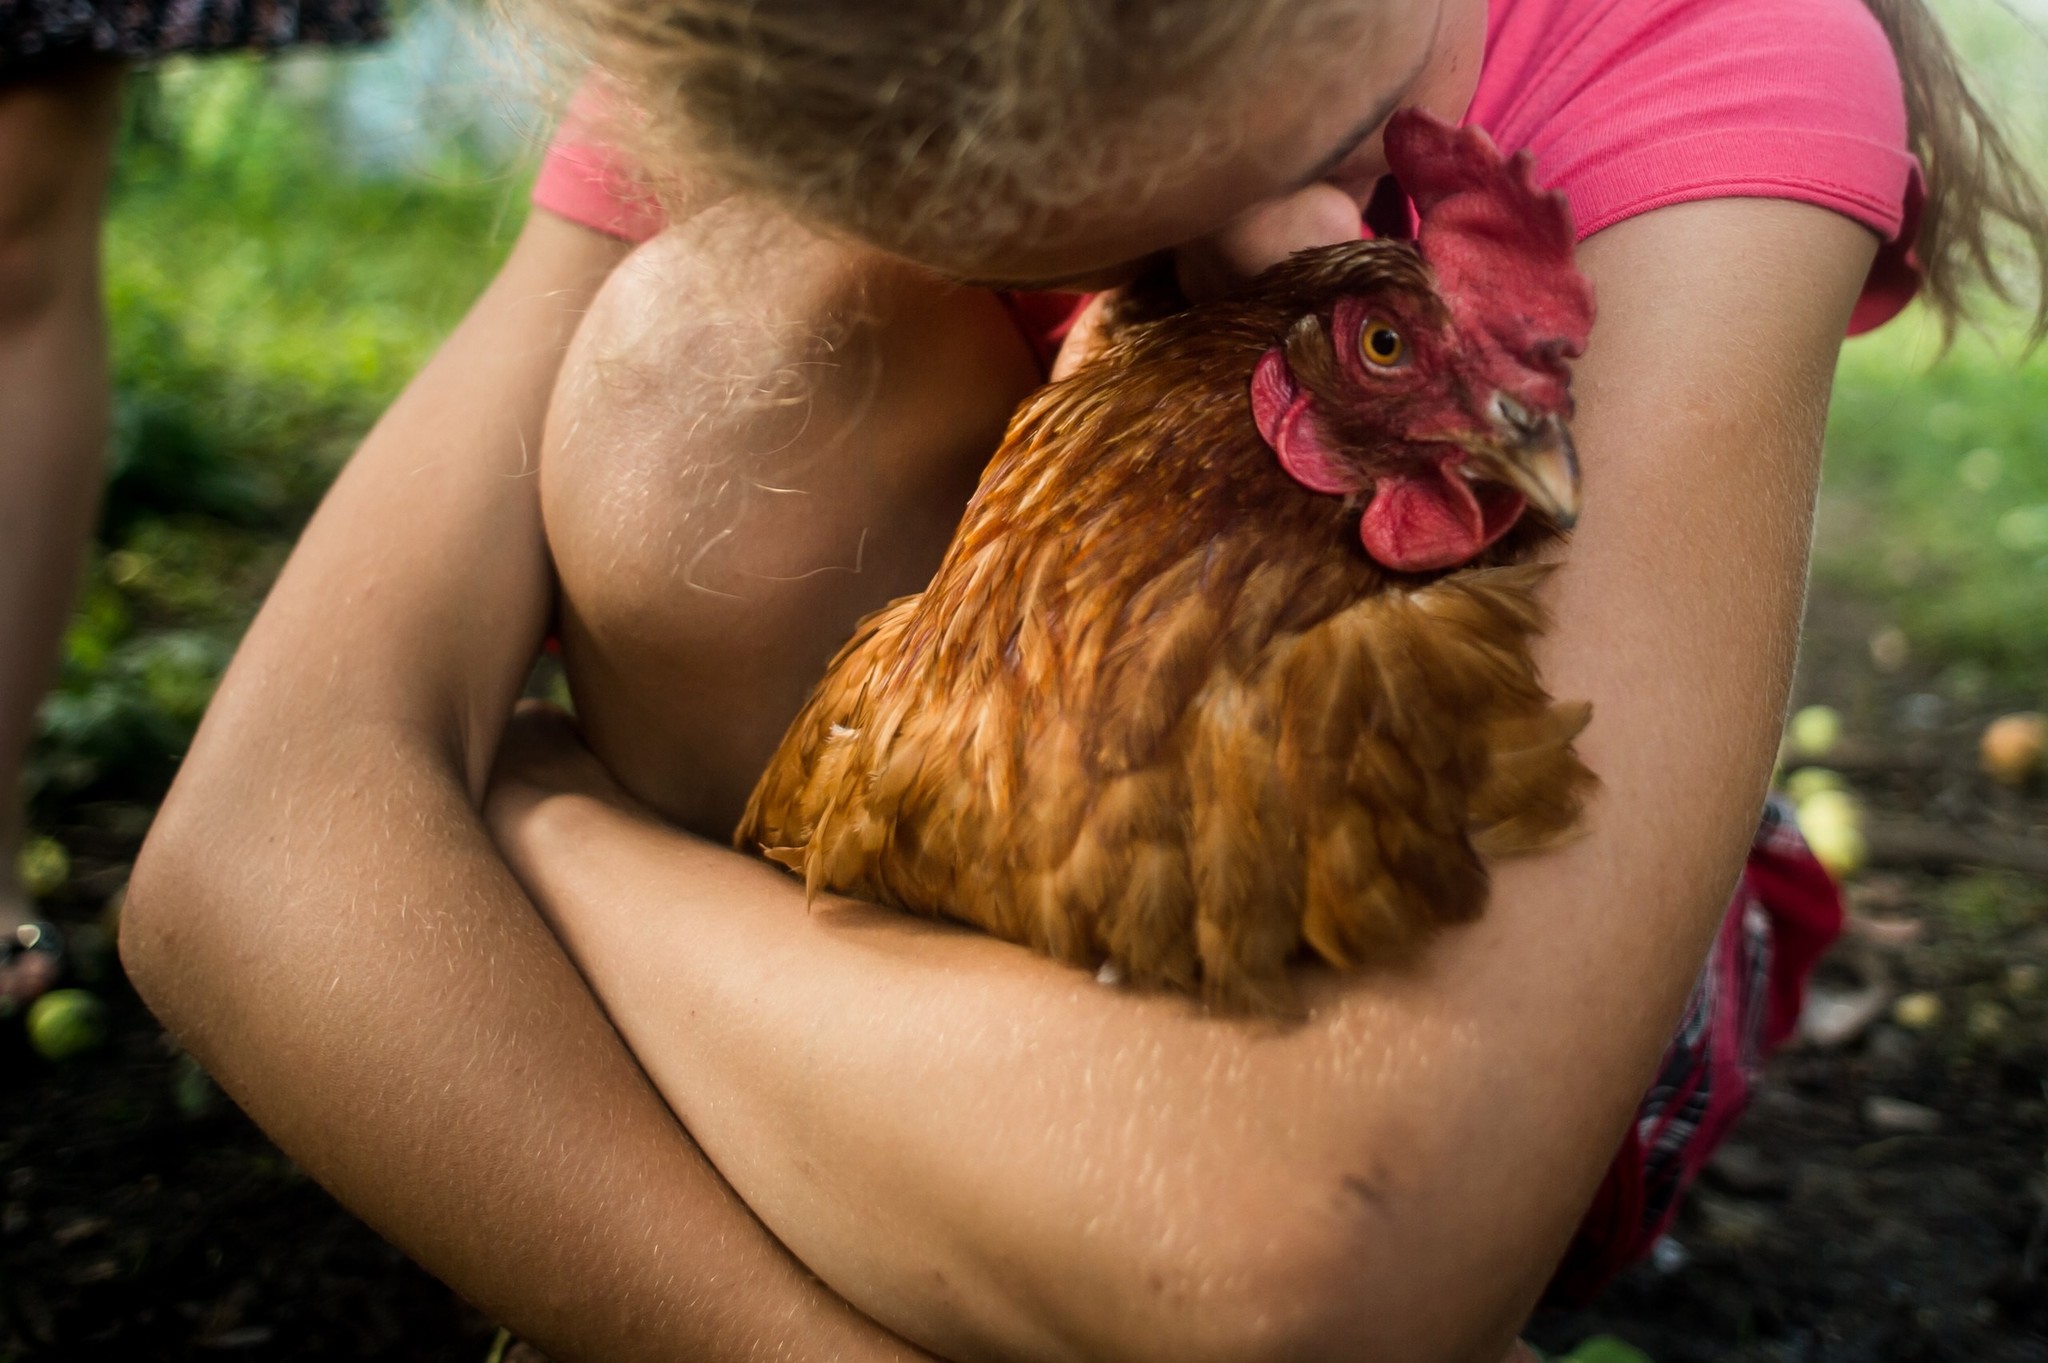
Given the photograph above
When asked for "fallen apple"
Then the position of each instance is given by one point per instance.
(2012, 745)
(1814, 731)
(66, 1022)
(1807, 782)
(1833, 824)
(43, 866)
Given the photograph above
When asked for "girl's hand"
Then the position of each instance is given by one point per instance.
(542, 759)
(1265, 235)
(543, 754)
(1083, 338)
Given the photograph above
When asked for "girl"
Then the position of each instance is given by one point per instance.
(765, 424)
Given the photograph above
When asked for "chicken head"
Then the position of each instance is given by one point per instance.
(1434, 386)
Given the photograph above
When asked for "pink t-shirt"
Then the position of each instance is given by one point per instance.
(587, 181)
(1630, 105)
(1627, 105)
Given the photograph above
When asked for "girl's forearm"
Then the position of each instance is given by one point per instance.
(320, 916)
(368, 981)
(1000, 1158)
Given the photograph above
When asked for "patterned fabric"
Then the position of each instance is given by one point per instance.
(1675, 1111)
(36, 33)
(1784, 914)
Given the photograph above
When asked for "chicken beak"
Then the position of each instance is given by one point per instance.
(1546, 471)
(1536, 458)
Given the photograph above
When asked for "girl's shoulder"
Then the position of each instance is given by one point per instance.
(1631, 105)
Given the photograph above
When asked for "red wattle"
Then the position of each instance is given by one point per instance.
(1421, 522)
(1286, 418)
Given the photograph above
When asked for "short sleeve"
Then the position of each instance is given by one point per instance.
(587, 180)
(1631, 105)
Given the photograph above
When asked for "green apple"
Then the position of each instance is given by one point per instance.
(43, 866)
(66, 1022)
(1833, 825)
(1814, 731)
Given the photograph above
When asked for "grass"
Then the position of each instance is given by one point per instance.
(263, 294)
(266, 303)
(1934, 508)
(1935, 491)
(1935, 497)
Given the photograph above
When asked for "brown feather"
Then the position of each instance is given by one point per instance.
(1157, 708)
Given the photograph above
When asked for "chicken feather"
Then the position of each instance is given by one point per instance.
(1159, 708)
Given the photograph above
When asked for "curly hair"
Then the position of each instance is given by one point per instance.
(1982, 200)
(934, 126)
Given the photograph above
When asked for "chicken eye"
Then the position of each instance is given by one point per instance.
(1381, 345)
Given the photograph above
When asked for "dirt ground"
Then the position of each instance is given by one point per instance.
(1826, 1234)
(1839, 1227)
(143, 1218)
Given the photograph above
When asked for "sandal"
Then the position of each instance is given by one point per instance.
(31, 957)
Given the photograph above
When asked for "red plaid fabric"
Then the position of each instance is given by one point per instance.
(1785, 913)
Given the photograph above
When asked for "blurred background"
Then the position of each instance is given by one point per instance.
(287, 243)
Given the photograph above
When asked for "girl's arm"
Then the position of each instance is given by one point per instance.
(320, 916)
(999, 1158)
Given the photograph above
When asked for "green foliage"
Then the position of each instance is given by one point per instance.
(266, 303)
(1605, 1349)
(1936, 496)
(1989, 904)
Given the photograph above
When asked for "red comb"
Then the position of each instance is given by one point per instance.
(1501, 247)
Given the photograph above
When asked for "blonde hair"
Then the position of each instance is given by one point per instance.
(1981, 198)
(932, 126)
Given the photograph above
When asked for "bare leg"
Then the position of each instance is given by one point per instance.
(56, 143)
(760, 436)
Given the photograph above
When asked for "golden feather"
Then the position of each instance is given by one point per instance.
(1156, 709)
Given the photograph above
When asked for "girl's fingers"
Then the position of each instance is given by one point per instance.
(542, 753)
(1083, 338)
(1318, 215)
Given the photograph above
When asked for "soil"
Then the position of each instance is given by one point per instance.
(1836, 1228)
(143, 1218)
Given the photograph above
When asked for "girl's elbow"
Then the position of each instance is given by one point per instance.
(1348, 1273)
(1310, 1294)
(188, 936)
(162, 929)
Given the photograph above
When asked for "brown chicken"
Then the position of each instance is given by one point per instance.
(1193, 690)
